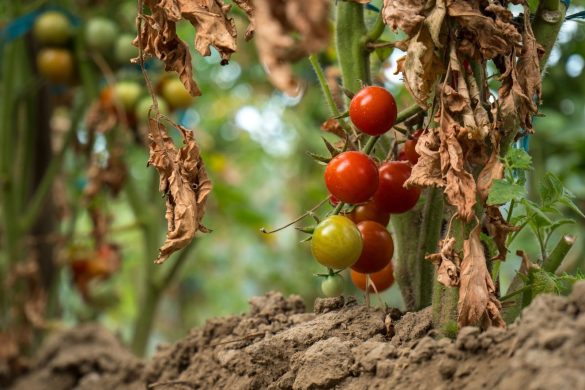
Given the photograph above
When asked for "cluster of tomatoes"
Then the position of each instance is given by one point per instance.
(359, 239)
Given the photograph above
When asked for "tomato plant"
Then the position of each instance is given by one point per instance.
(174, 92)
(373, 110)
(377, 250)
(409, 152)
(332, 285)
(391, 196)
(369, 211)
(52, 28)
(337, 242)
(352, 177)
(383, 279)
(56, 65)
(100, 34)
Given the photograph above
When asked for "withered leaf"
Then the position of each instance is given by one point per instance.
(477, 293)
(494, 169)
(184, 182)
(499, 229)
(286, 31)
(158, 35)
(460, 186)
(427, 171)
(405, 15)
(332, 126)
(111, 175)
(420, 67)
(248, 7)
(447, 262)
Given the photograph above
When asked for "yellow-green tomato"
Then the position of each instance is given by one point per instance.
(174, 92)
(332, 286)
(143, 107)
(127, 93)
(337, 242)
(52, 28)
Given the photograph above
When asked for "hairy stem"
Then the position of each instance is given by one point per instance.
(350, 29)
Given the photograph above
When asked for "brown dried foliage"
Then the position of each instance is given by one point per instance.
(183, 181)
(461, 155)
(286, 31)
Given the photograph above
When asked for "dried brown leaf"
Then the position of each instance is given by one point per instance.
(184, 182)
(112, 175)
(248, 7)
(405, 15)
(332, 126)
(447, 262)
(485, 37)
(477, 293)
(286, 31)
(499, 229)
(494, 169)
(460, 186)
(427, 171)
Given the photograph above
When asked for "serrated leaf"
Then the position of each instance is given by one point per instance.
(518, 159)
(570, 204)
(332, 150)
(503, 192)
(551, 189)
(536, 216)
(558, 223)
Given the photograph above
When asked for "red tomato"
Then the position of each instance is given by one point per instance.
(391, 196)
(351, 177)
(382, 279)
(373, 110)
(409, 151)
(333, 200)
(369, 212)
(378, 248)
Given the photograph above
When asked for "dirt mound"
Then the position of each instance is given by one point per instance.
(343, 345)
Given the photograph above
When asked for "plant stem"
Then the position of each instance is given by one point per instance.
(556, 257)
(324, 86)
(546, 26)
(350, 28)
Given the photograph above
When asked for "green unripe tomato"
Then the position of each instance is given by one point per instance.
(144, 105)
(125, 50)
(127, 94)
(101, 34)
(337, 242)
(332, 286)
(174, 92)
(52, 28)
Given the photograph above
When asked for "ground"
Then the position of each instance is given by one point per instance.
(342, 345)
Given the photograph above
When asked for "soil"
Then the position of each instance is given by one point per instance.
(342, 345)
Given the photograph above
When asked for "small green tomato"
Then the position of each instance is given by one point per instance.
(332, 286)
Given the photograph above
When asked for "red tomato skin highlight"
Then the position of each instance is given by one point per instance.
(391, 196)
(377, 250)
(373, 110)
(351, 177)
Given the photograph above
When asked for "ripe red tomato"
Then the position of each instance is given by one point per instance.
(52, 28)
(369, 212)
(377, 250)
(382, 279)
(351, 177)
(336, 242)
(409, 151)
(56, 65)
(373, 110)
(391, 196)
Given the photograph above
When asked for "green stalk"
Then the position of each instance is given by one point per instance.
(324, 86)
(350, 29)
(558, 253)
(547, 23)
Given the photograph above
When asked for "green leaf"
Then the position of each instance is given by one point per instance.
(503, 192)
(536, 216)
(383, 53)
(558, 223)
(489, 242)
(551, 189)
(518, 159)
(570, 204)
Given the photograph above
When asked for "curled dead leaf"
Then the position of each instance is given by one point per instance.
(427, 171)
(405, 15)
(447, 262)
(184, 182)
(477, 293)
(494, 169)
(286, 31)
(248, 7)
(499, 229)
